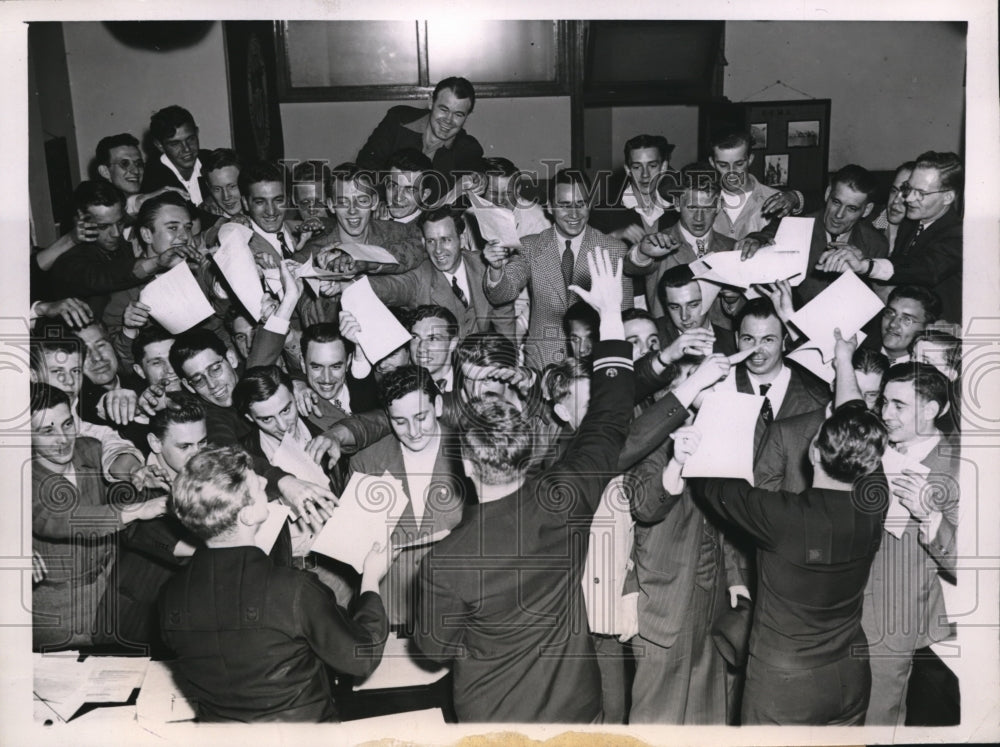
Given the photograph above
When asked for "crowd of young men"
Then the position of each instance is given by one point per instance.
(538, 423)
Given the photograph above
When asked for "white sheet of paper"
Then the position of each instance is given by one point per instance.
(847, 303)
(381, 332)
(709, 292)
(308, 269)
(237, 265)
(267, 533)
(421, 538)
(293, 459)
(369, 509)
(402, 665)
(368, 253)
(175, 300)
(65, 683)
(786, 259)
(272, 279)
(497, 223)
(160, 700)
(726, 420)
(811, 357)
(893, 464)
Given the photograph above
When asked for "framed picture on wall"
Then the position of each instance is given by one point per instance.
(758, 135)
(776, 170)
(804, 134)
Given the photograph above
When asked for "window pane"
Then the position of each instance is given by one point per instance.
(491, 51)
(352, 53)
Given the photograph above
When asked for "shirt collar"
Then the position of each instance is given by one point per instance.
(195, 172)
(919, 449)
(651, 213)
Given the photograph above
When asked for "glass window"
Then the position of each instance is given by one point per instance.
(352, 53)
(492, 51)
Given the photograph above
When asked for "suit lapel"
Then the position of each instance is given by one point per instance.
(551, 262)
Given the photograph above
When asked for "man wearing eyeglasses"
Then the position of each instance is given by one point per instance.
(908, 312)
(120, 162)
(928, 247)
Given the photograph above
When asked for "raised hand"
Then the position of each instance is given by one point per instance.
(698, 341)
(73, 311)
(306, 399)
(658, 245)
(686, 442)
(605, 294)
(780, 294)
(310, 503)
(779, 204)
(118, 406)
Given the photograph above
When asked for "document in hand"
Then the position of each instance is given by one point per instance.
(726, 422)
(369, 509)
(846, 304)
(894, 464)
(293, 459)
(786, 259)
(381, 332)
(368, 253)
(238, 267)
(496, 223)
(175, 299)
(267, 533)
(811, 358)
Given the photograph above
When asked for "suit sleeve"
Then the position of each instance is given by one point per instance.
(763, 514)
(513, 278)
(84, 276)
(351, 644)
(769, 467)
(650, 429)
(939, 259)
(405, 244)
(396, 290)
(650, 503)
(380, 144)
(440, 625)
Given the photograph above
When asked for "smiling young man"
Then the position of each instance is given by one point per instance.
(221, 168)
(262, 186)
(908, 312)
(175, 136)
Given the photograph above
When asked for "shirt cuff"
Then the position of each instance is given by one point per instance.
(882, 269)
(929, 528)
(276, 324)
(797, 210)
(638, 258)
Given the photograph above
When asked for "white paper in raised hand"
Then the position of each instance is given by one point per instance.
(237, 265)
(308, 269)
(786, 259)
(811, 358)
(726, 422)
(894, 464)
(267, 533)
(272, 279)
(381, 332)
(369, 510)
(368, 253)
(496, 223)
(175, 300)
(847, 303)
(293, 459)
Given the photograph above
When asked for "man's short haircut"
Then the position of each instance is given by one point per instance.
(486, 349)
(106, 144)
(164, 123)
(439, 214)
(949, 167)
(257, 172)
(151, 208)
(409, 159)
(259, 383)
(408, 378)
(46, 396)
(851, 443)
(498, 166)
(320, 333)
(870, 361)
(234, 312)
(633, 314)
(96, 192)
(662, 145)
(461, 87)
(349, 171)
(220, 158)
(188, 344)
(53, 336)
(558, 378)
(584, 313)
(498, 440)
(433, 311)
(211, 489)
(951, 344)
(701, 177)
(857, 178)
(148, 334)
(928, 299)
(730, 138)
(677, 276)
(180, 409)
(760, 308)
(573, 177)
(929, 384)
(908, 166)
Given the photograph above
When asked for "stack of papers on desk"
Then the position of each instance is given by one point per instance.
(161, 701)
(64, 683)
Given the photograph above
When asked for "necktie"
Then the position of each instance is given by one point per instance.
(459, 293)
(701, 247)
(284, 244)
(834, 237)
(441, 384)
(567, 264)
(765, 411)
(913, 240)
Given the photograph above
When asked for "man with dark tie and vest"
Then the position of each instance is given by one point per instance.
(548, 263)
(928, 246)
(262, 185)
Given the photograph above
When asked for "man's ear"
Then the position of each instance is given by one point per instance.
(562, 412)
(425, 195)
(104, 171)
(155, 444)
(138, 371)
(184, 383)
(826, 196)
(868, 209)
(469, 466)
(246, 205)
(439, 406)
(158, 146)
(233, 359)
(814, 459)
(931, 411)
(750, 159)
(33, 376)
(949, 197)
(146, 235)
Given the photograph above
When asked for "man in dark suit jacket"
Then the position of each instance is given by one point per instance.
(928, 249)
(500, 595)
(548, 263)
(424, 456)
(680, 295)
(452, 279)
(438, 132)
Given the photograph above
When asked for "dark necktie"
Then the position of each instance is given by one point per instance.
(701, 247)
(459, 293)
(765, 411)
(834, 237)
(913, 239)
(284, 244)
(567, 264)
